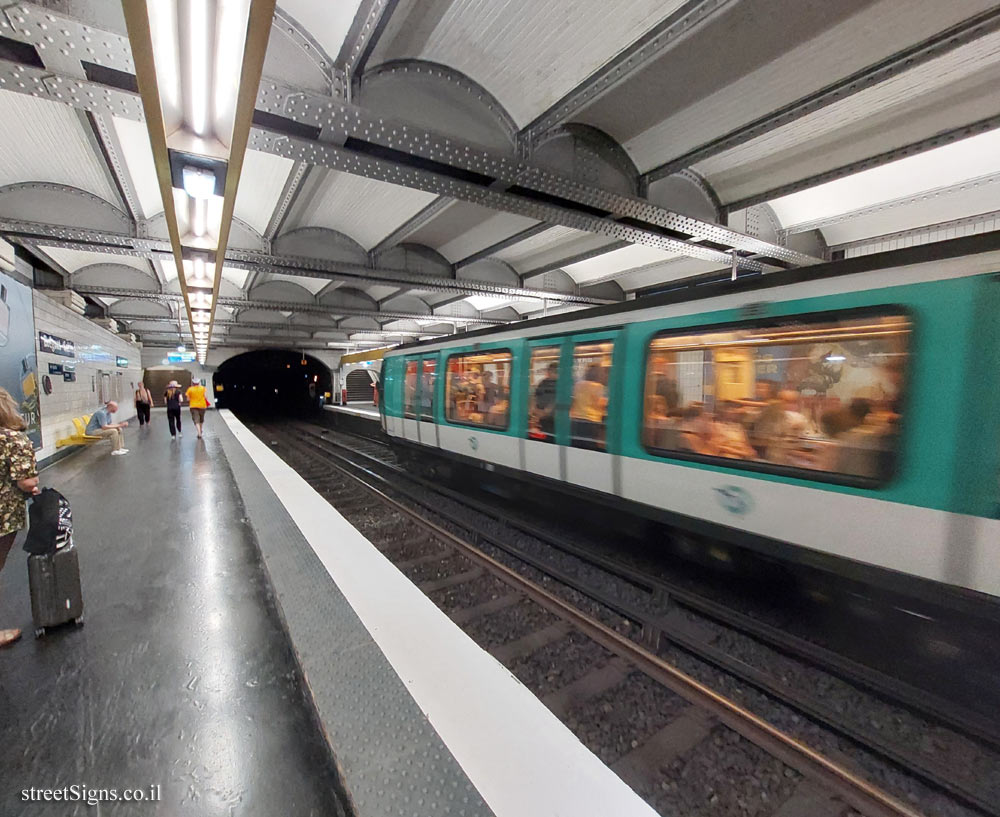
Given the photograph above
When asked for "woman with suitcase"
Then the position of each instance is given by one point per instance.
(18, 481)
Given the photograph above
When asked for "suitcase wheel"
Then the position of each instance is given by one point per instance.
(78, 621)
(39, 632)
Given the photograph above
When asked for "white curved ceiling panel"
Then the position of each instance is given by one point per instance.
(43, 141)
(488, 232)
(942, 167)
(327, 22)
(616, 262)
(75, 260)
(237, 277)
(882, 29)
(134, 139)
(898, 92)
(367, 210)
(261, 183)
(508, 47)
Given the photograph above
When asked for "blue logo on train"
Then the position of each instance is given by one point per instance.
(734, 499)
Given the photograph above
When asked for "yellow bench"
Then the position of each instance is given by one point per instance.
(81, 437)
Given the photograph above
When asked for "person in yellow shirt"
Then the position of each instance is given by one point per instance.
(198, 403)
(586, 414)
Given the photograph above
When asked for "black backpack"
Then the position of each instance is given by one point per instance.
(50, 523)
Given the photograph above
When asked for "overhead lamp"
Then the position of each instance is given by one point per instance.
(181, 348)
(198, 182)
(198, 65)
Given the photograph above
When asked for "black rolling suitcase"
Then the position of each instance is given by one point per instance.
(53, 563)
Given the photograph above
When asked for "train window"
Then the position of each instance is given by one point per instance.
(589, 407)
(428, 375)
(410, 389)
(542, 394)
(478, 388)
(817, 395)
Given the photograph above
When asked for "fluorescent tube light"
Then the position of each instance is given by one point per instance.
(199, 183)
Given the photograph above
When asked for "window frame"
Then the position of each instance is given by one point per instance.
(435, 358)
(772, 469)
(555, 343)
(407, 413)
(510, 381)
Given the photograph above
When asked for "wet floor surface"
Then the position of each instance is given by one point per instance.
(182, 676)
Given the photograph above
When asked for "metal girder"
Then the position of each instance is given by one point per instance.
(369, 22)
(927, 234)
(281, 306)
(120, 244)
(295, 327)
(937, 140)
(410, 226)
(510, 241)
(410, 156)
(290, 192)
(992, 179)
(941, 43)
(659, 39)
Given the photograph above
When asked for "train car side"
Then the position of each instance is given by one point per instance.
(934, 517)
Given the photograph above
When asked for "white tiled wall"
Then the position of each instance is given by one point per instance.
(69, 400)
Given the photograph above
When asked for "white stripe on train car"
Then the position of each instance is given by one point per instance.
(480, 445)
(907, 538)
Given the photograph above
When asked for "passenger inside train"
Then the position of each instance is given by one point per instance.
(824, 397)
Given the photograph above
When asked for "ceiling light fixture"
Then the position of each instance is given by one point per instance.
(198, 65)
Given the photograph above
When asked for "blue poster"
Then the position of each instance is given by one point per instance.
(18, 371)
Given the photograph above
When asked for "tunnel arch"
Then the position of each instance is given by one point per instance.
(272, 382)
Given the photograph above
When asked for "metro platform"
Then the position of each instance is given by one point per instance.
(249, 652)
(368, 411)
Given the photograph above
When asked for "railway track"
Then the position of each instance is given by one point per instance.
(641, 643)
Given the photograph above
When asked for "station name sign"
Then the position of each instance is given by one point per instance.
(56, 346)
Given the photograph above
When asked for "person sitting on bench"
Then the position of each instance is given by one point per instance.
(101, 425)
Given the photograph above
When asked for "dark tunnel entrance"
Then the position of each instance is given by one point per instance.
(271, 381)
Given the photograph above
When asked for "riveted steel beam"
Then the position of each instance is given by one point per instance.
(941, 43)
(229, 323)
(74, 238)
(912, 149)
(510, 241)
(290, 121)
(410, 226)
(309, 308)
(369, 22)
(659, 39)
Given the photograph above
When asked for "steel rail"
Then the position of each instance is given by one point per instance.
(889, 689)
(857, 792)
(653, 629)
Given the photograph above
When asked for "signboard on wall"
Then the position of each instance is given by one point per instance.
(18, 374)
(56, 346)
(180, 357)
(121, 362)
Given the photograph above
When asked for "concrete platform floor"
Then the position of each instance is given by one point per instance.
(182, 676)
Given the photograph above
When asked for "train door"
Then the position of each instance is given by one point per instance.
(411, 398)
(585, 408)
(541, 454)
(426, 390)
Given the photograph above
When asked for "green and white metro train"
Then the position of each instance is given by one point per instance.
(844, 415)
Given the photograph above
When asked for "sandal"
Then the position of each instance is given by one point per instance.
(9, 637)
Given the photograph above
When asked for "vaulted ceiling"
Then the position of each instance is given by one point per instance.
(418, 167)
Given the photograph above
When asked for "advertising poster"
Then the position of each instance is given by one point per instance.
(18, 371)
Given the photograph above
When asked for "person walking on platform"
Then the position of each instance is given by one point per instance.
(18, 480)
(101, 425)
(198, 403)
(143, 403)
(174, 398)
